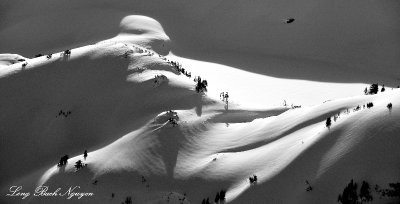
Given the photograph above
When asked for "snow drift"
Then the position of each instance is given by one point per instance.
(104, 97)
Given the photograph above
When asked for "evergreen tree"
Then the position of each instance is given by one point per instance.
(349, 195)
(395, 190)
(365, 193)
(383, 88)
(198, 86)
(85, 154)
(63, 161)
(128, 200)
(366, 91)
(216, 200)
(201, 85)
(354, 195)
(205, 83)
(328, 122)
(78, 164)
(373, 89)
(251, 180)
(222, 194)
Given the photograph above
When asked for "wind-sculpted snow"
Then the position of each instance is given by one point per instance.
(152, 138)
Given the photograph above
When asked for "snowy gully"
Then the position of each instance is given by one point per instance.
(43, 191)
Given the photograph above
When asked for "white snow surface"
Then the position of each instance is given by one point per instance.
(120, 115)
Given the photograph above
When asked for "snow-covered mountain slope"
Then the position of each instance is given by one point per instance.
(200, 157)
(113, 98)
(8, 59)
(342, 41)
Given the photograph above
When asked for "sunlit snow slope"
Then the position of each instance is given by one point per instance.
(113, 98)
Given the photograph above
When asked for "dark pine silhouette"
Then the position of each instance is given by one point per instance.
(78, 165)
(85, 154)
(365, 193)
(373, 89)
(128, 200)
(63, 161)
(328, 122)
(222, 194)
(309, 188)
(253, 179)
(216, 200)
(201, 85)
(349, 195)
(394, 190)
(67, 52)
